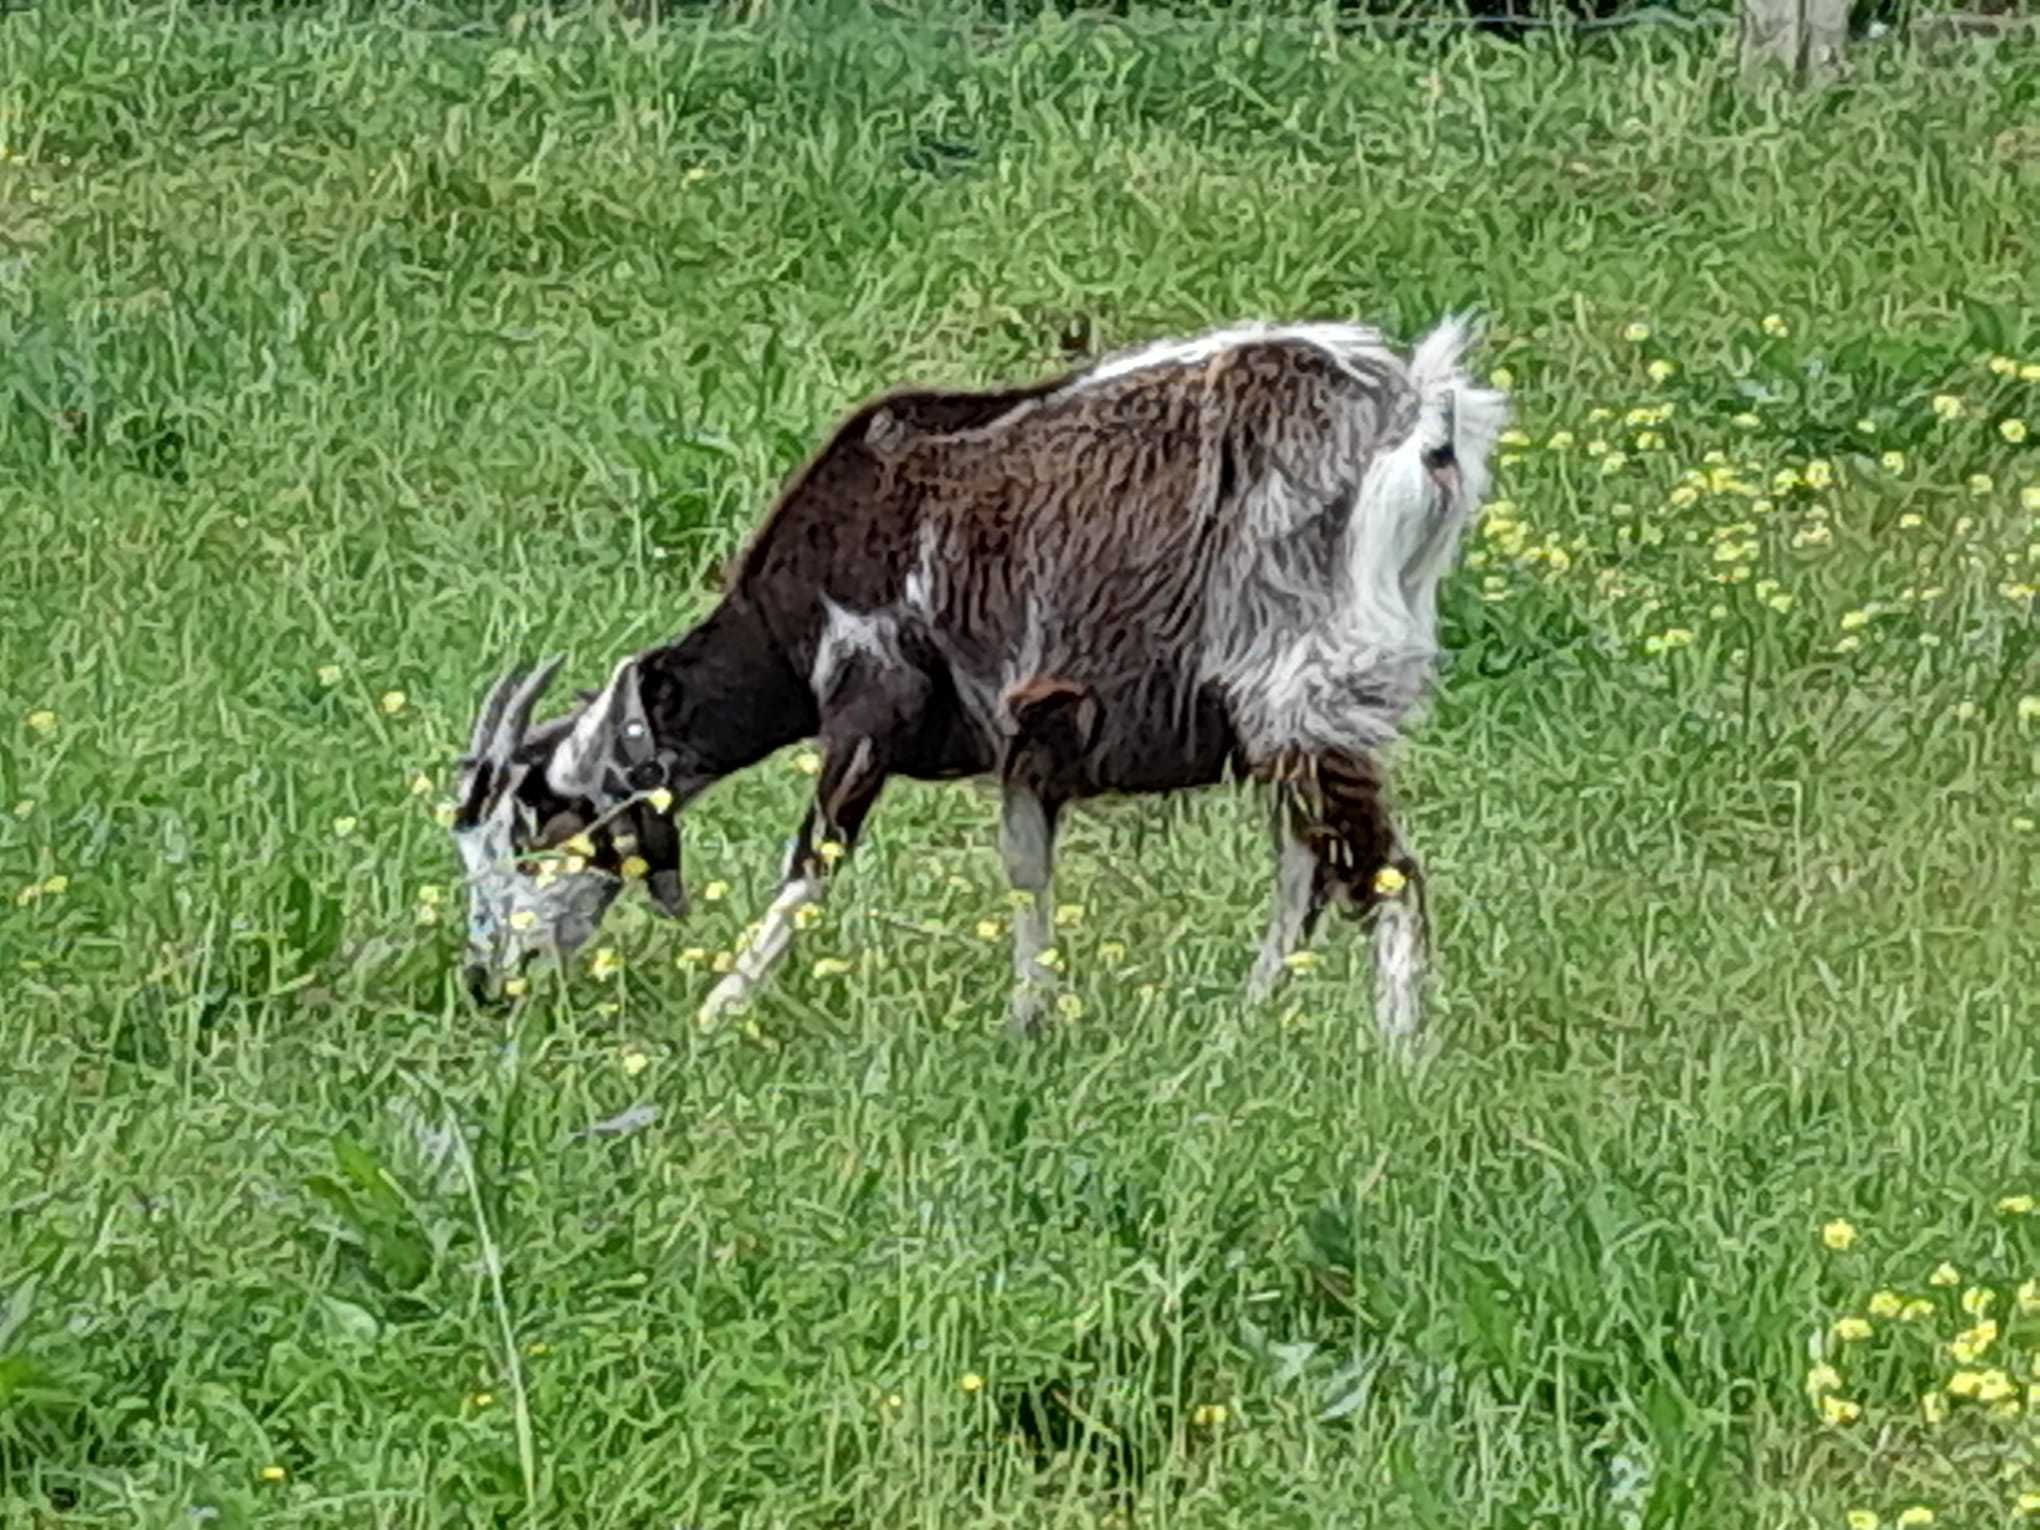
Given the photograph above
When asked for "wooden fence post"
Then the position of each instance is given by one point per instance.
(1806, 38)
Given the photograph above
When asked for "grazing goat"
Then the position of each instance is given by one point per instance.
(1208, 556)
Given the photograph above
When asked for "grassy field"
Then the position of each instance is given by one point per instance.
(340, 362)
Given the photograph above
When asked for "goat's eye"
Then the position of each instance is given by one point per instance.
(527, 868)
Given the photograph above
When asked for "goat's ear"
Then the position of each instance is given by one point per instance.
(588, 763)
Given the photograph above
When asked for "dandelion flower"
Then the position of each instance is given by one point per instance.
(807, 762)
(273, 1474)
(1068, 915)
(972, 1382)
(1301, 961)
(1886, 1304)
(1839, 1410)
(329, 674)
(722, 963)
(2029, 498)
(2029, 1503)
(660, 799)
(1774, 324)
(1209, 1415)
(1069, 1006)
(483, 1399)
(807, 916)
(1112, 952)
(1978, 1300)
(2030, 372)
(2029, 1296)
(635, 1062)
(393, 702)
(1502, 377)
(989, 929)
(516, 987)
(1851, 620)
(2004, 366)
(43, 721)
(1745, 421)
(607, 964)
(1781, 601)
(1636, 333)
(831, 851)
(634, 867)
(1911, 519)
(1981, 484)
(715, 892)
(1051, 958)
(1823, 1378)
(1851, 1330)
(1838, 1234)
(1662, 371)
(831, 966)
(1947, 406)
(1918, 1514)
(1560, 440)
(1389, 881)
(1514, 438)
(1860, 1519)
(2013, 431)
(1894, 461)
(1916, 1309)
(1820, 474)
(1945, 1274)
(344, 826)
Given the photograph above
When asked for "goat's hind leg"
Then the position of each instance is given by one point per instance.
(1027, 822)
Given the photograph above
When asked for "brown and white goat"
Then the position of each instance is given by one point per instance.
(1207, 556)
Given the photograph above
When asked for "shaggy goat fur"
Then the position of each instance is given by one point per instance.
(1221, 554)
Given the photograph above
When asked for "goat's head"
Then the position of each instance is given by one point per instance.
(554, 819)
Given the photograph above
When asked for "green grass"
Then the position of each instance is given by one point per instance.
(406, 350)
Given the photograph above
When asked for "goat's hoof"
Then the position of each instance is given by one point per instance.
(726, 998)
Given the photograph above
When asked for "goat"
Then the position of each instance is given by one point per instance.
(1201, 558)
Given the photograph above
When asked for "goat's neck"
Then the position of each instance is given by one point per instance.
(724, 695)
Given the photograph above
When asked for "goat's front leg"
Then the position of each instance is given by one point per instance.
(1298, 899)
(1027, 843)
(853, 775)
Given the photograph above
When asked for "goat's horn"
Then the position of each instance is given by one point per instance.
(490, 717)
(517, 714)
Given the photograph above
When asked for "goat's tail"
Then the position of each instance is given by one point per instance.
(1420, 494)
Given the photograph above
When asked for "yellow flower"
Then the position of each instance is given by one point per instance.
(273, 1474)
(1860, 1519)
(1885, 1304)
(2013, 431)
(693, 956)
(715, 892)
(1978, 1300)
(2029, 497)
(344, 826)
(806, 916)
(1918, 1514)
(393, 702)
(830, 850)
(1112, 951)
(1301, 961)
(2029, 1295)
(831, 966)
(483, 1399)
(807, 762)
(1911, 519)
(1838, 1234)
(2030, 372)
(1514, 438)
(2029, 1503)
(1980, 484)
(1851, 1330)
(1782, 601)
(1560, 440)
(329, 674)
(1661, 371)
(1649, 441)
(43, 722)
(972, 1382)
(1774, 324)
(1823, 1378)
(1069, 914)
(1839, 1410)
(2004, 366)
(514, 988)
(1965, 1384)
(1894, 462)
(1867, 427)
(1994, 1386)
(635, 1062)
(606, 964)
(2029, 710)
(1945, 1274)
(634, 867)
(1820, 474)
(1069, 1006)
(1211, 1415)
(1502, 377)
(1933, 1407)
(660, 799)
(1745, 421)
(1052, 959)
(1947, 406)
(1636, 333)
(722, 962)
(1389, 881)
(1854, 619)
